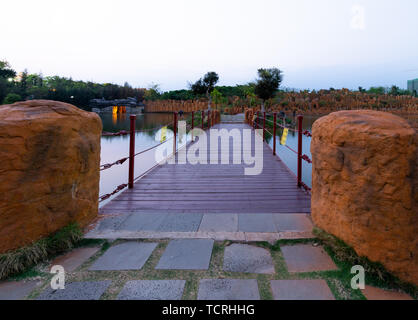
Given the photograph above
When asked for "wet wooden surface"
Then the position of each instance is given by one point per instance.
(216, 188)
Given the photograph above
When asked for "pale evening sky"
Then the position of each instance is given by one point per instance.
(317, 43)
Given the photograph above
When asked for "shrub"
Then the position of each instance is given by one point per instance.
(12, 98)
(19, 260)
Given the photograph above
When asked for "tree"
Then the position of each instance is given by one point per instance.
(249, 91)
(216, 96)
(377, 90)
(153, 92)
(206, 85)
(268, 84)
(5, 71)
(394, 90)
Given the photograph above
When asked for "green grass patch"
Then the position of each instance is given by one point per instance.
(22, 259)
(345, 257)
(339, 281)
(32, 272)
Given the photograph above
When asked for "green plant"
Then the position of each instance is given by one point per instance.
(20, 260)
(268, 84)
(376, 273)
(12, 98)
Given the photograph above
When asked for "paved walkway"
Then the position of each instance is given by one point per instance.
(237, 118)
(239, 227)
(194, 269)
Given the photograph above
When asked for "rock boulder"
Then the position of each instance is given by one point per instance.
(49, 173)
(365, 186)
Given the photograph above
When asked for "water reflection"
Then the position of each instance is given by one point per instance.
(120, 121)
(116, 147)
(289, 157)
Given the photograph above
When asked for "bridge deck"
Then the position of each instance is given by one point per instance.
(222, 188)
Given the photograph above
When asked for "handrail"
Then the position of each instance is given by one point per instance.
(300, 157)
(210, 122)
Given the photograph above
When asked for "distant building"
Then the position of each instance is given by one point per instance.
(413, 86)
(130, 105)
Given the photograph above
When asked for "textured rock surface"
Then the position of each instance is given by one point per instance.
(247, 259)
(373, 293)
(49, 174)
(125, 256)
(17, 290)
(73, 259)
(228, 289)
(85, 290)
(305, 289)
(187, 254)
(307, 258)
(152, 290)
(365, 186)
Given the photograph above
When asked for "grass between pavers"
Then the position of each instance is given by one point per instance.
(376, 274)
(20, 263)
(339, 280)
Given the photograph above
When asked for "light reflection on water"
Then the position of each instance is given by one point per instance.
(117, 147)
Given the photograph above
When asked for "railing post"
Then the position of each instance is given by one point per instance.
(274, 133)
(175, 133)
(192, 124)
(208, 119)
(300, 119)
(258, 119)
(203, 120)
(264, 126)
(131, 152)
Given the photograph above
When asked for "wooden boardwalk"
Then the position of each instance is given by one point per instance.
(221, 188)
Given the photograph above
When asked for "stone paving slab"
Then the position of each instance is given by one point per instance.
(219, 236)
(247, 259)
(110, 223)
(187, 254)
(88, 290)
(301, 290)
(307, 258)
(16, 290)
(75, 258)
(143, 222)
(373, 293)
(125, 256)
(293, 222)
(256, 223)
(219, 222)
(228, 289)
(180, 222)
(152, 290)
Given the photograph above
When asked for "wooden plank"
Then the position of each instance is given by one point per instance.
(221, 188)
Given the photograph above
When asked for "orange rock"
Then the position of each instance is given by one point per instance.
(49, 175)
(365, 186)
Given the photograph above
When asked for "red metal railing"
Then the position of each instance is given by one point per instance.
(300, 133)
(132, 153)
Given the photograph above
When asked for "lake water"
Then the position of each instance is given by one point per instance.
(117, 147)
